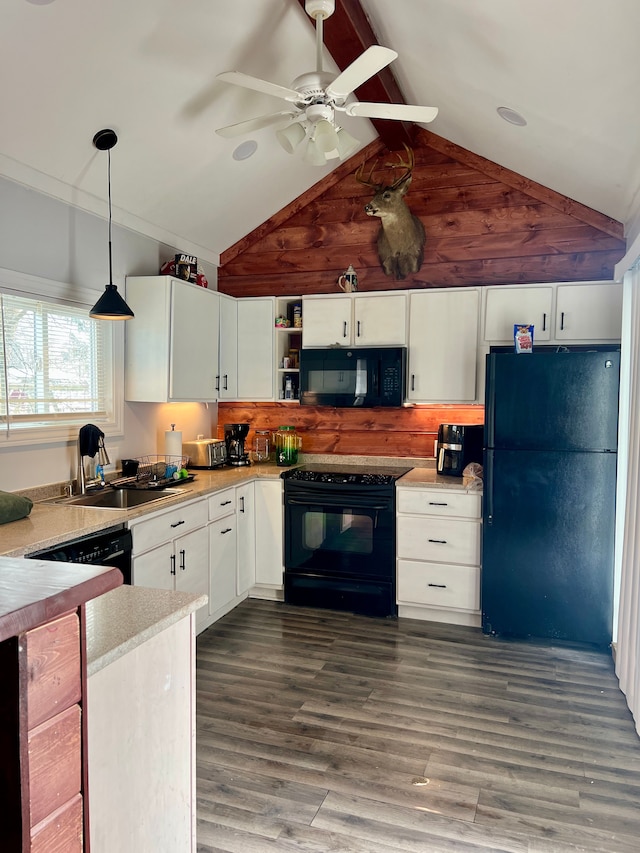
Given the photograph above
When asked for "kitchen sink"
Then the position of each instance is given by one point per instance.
(116, 498)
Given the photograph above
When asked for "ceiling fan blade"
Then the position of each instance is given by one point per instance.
(374, 59)
(402, 112)
(233, 130)
(258, 85)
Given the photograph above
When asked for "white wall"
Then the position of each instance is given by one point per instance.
(45, 237)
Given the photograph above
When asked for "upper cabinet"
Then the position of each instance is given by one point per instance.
(443, 340)
(171, 352)
(355, 320)
(526, 306)
(589, 311)
(256, 372)
(227, 383)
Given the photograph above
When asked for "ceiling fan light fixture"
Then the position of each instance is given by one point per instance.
(110, 306)
(313, 155)
(291, 136)
(326, 138)
(347, 144)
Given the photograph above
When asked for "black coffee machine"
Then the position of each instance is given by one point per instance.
(457, 446)
(234, 436)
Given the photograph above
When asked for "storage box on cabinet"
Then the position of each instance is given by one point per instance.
(438, 546)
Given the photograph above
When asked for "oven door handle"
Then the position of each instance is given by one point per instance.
(344, 500)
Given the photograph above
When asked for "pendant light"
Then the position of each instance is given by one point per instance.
(110, 306)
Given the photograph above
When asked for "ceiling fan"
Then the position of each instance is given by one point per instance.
(316, 97)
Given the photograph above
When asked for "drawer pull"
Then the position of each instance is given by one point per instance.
(173, 564)
(225, 503)
(438, 541)
(228, 530)
(438, 503)
(178, 523)
(439, 585)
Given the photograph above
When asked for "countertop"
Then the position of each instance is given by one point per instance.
(124, 618)
(49, 525)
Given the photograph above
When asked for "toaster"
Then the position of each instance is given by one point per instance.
(205, 453)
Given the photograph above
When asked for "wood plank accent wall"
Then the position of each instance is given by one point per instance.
(484, 224)
(408, 431)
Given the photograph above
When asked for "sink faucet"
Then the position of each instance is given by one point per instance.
(91, 437)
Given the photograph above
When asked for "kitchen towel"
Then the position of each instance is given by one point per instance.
(90, 439)
(13, 507)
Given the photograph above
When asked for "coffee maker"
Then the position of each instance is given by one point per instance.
(234, 436)
(457, 446)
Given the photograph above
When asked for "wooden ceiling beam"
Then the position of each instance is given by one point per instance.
(347, 33)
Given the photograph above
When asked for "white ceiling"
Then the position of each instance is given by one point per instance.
(146, 68)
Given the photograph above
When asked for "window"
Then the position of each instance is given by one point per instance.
(57, 365)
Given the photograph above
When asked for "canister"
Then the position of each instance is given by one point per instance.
(287, 444)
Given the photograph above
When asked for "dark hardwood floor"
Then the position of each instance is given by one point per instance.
(325, 732)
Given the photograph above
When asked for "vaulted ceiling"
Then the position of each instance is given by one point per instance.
(147, 69)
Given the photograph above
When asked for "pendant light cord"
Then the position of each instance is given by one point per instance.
(109, 183)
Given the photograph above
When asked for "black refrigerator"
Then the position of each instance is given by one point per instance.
(551, 425)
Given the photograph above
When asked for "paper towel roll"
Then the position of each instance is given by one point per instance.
(173, 442)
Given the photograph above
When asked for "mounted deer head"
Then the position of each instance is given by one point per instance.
(401, 237)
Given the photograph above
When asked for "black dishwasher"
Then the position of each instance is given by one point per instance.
(111, 547)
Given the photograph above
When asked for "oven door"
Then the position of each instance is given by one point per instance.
(337, 530)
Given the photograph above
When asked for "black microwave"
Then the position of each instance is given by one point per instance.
(358, 378)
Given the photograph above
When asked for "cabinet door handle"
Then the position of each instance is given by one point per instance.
(544, 322)
(182, 559)
(218, 382)
(438, 541)
(242, 504)
(228, 530)
(226, 386)
(178, 523)
(438, 585)
(562, 321)
(358, 331)
(344, 329)
(225, 503)
(413, 382)
(438, 503)
(173, 564)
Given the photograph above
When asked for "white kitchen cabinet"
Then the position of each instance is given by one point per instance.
(223, 553)
(171, 551)
(256, 375)
(438, 550)
(246, 514)
(589, 312)
(355, 320)
(506, 306)
(171, 345)
(269, 527)
(443, 341)
(227, 379)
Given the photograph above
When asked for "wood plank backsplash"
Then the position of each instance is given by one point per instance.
(409, 431)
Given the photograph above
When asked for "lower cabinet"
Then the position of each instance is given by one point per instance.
(269, 527)
(171, 551)
(438, 567)
(246, 514)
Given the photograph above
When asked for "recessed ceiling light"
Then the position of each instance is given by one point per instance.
(511, 116)
(245, 150)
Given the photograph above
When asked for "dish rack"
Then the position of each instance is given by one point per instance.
(152, 472)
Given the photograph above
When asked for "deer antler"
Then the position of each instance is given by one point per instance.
(366, 181)
(408, 166)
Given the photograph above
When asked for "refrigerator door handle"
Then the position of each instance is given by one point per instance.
(488, 487)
